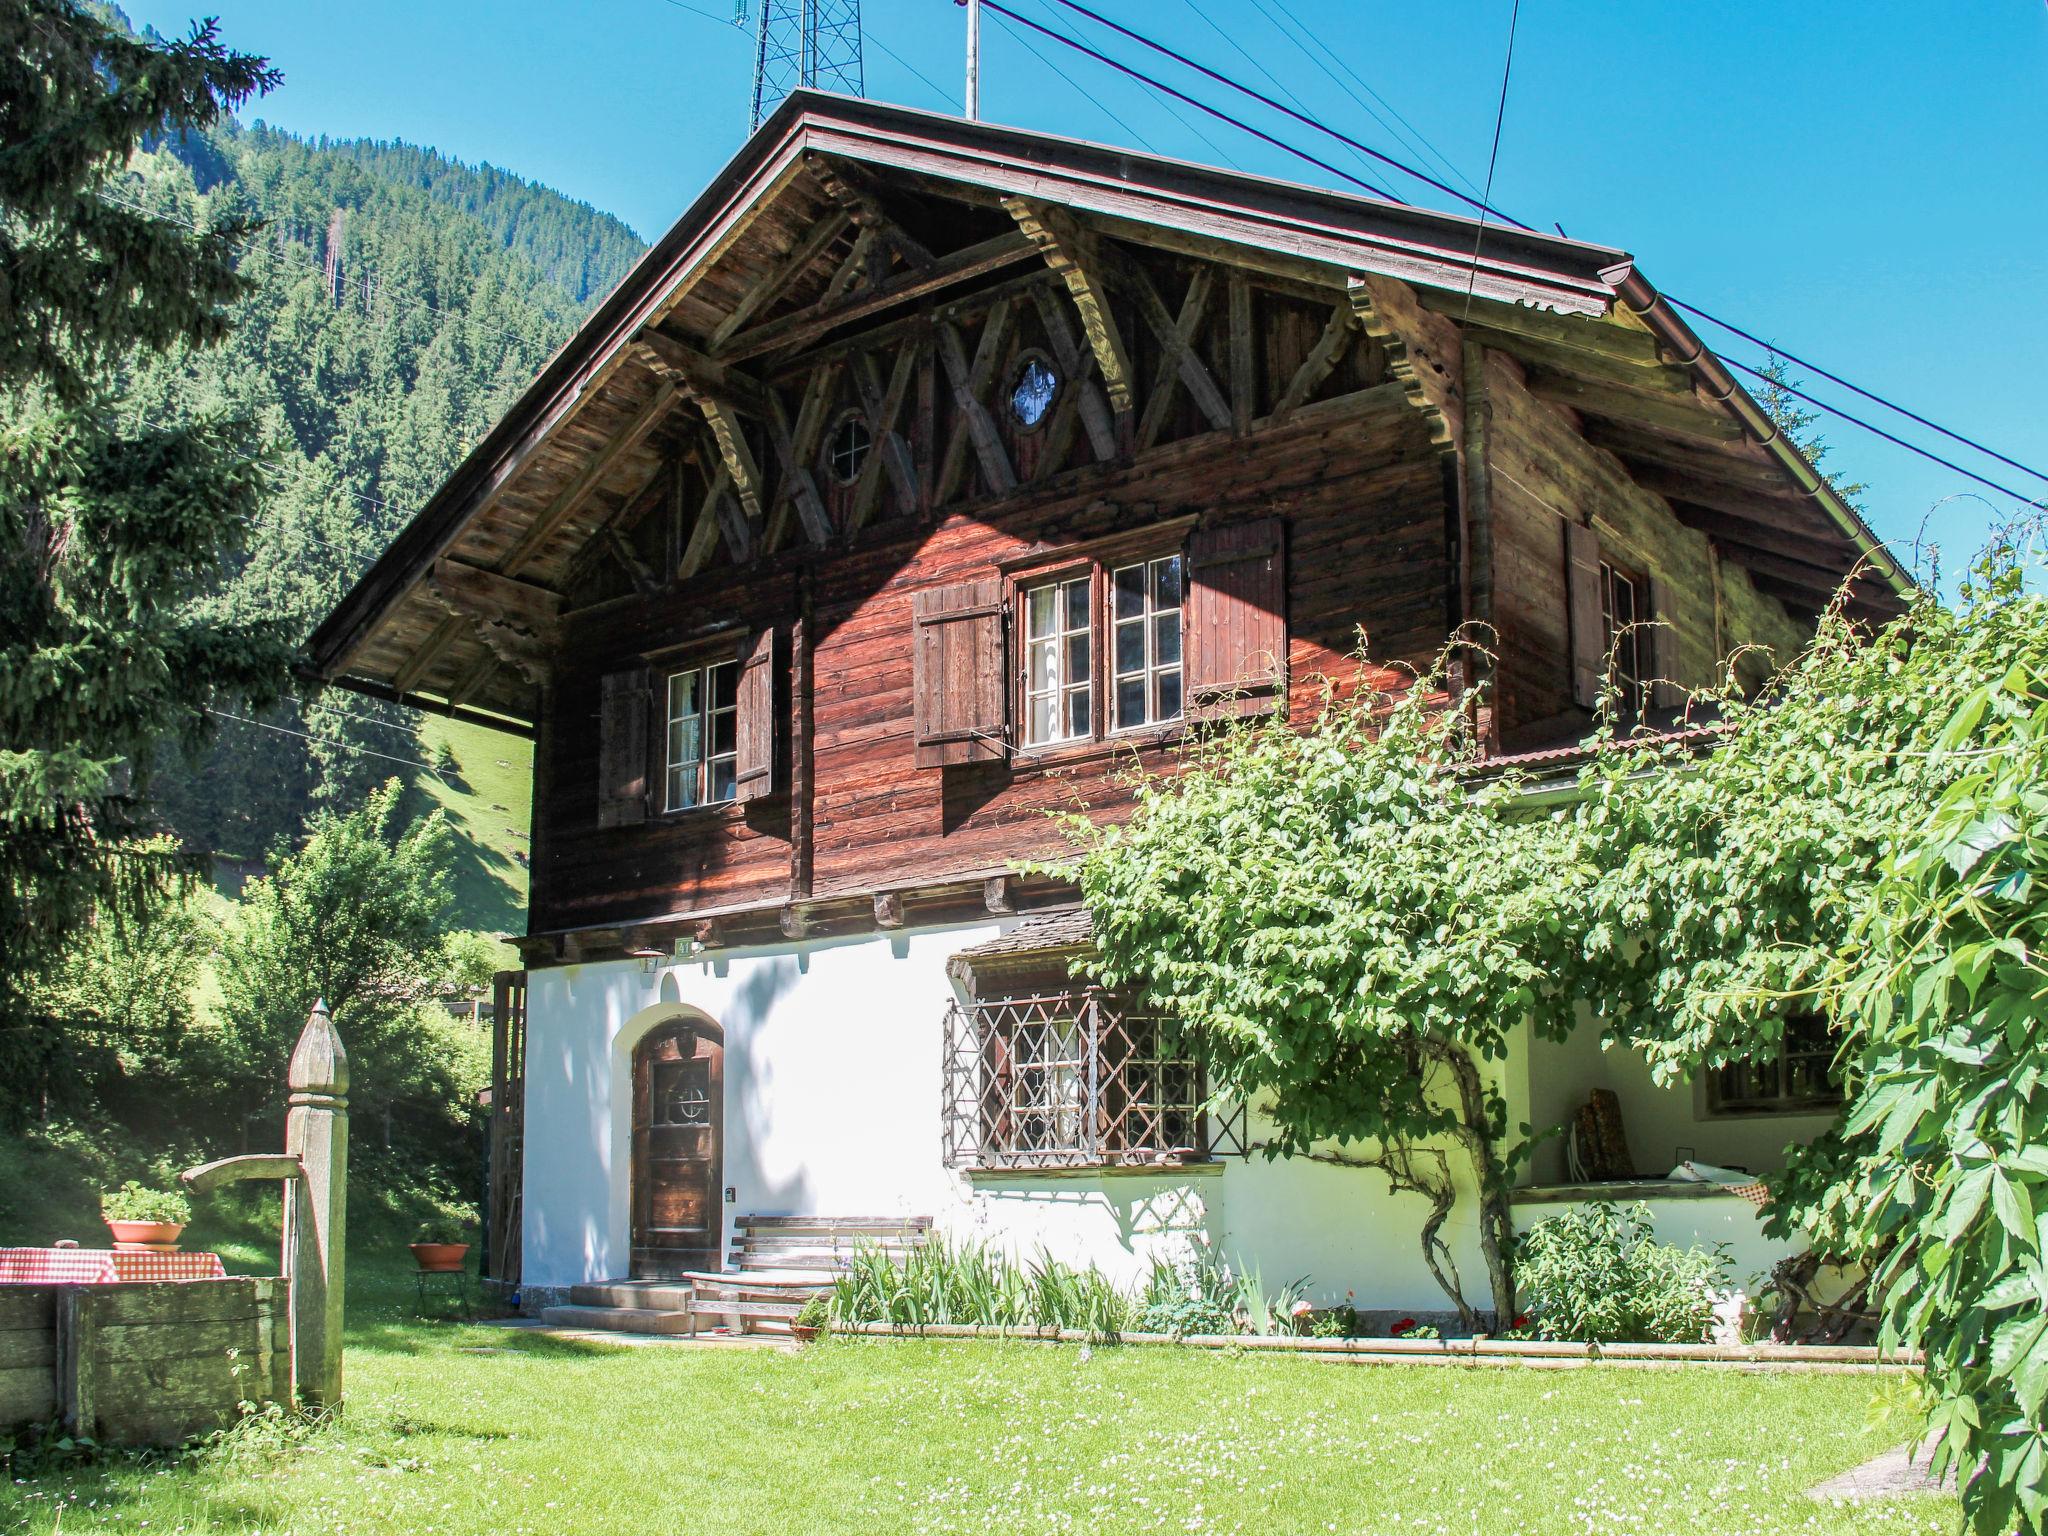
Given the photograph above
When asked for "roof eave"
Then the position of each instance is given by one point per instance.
(1418, 244)
(1642, 299)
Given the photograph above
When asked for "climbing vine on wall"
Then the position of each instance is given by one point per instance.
(1350, 928)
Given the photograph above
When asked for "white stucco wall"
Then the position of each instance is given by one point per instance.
(832, 1107)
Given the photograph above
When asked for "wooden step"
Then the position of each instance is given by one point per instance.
(646, 1295)
(712, 1306)
(840, 1223)
(619, 1319)
(767, 1279)
(787, 1251)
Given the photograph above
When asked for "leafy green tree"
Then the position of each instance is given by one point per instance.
(1941, 988)
(1348, 936)
(355, 916)
(127, 988)
(111, 529)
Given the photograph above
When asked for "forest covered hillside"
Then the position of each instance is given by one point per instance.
(399, 301)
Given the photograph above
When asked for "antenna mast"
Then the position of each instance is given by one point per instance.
(805, 42)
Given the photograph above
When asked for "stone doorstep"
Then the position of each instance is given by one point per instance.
(646, 1295)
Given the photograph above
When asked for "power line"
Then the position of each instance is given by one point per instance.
(1294, 29)
(329, 741)
(1075, 85)
(1172, 111)
(1835, 378)
(1868, 426)
(944, 95)
(1500, 117)
(1124, 69)
(736, 22)
(1484, 205)
(1278, 106)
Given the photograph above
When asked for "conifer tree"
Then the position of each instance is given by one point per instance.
(113, 529)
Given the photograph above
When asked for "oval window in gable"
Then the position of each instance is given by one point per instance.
(846, 450)
(1034, 390)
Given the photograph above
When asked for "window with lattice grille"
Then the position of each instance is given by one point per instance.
(1073, 1079)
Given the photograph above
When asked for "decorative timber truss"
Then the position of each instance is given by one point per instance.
(827, 345)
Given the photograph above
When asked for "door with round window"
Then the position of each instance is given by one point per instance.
(678, 1148)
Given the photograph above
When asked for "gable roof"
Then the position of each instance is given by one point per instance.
(585, 426)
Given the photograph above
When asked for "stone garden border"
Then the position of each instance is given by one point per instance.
(1480, 1351)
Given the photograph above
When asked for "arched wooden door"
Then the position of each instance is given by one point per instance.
(678, 1148)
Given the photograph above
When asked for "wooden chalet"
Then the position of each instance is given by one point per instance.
(927, 470)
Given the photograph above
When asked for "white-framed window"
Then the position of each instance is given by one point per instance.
(1624, 609)
(1058, 661)
(701, 747)
(1145, 631)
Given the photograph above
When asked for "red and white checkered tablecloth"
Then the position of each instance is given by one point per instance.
(103, 1266)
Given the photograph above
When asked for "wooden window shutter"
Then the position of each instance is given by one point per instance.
(1667, 672)
(622, 758)
(1236, 641)
(754, 770)
(961, 686)
(1587, 616)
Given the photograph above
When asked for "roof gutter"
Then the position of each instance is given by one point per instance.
(1648, 305)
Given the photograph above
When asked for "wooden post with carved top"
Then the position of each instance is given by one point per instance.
(315, 1231)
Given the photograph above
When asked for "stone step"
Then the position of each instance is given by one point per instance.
(617, 1319)
(647, 1295)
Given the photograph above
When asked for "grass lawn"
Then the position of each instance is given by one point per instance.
(459, 1429)
(489, 798)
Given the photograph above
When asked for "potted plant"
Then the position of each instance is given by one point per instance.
(813, 1320)
(143, 1219)
(440, 1247)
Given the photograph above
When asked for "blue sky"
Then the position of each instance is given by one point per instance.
(1864, 183)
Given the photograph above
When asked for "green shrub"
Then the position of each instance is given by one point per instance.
(1597, 1273)
(138, 1202)
(1204, 1295)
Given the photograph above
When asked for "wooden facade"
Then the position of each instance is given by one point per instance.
(764, 535)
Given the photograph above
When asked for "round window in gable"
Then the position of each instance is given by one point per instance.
(1032, 394)
(846, 450)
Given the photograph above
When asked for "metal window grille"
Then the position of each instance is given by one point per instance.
(1073, 1080)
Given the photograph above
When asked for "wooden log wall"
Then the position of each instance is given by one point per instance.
(1541, 472)
(1358, 480)
(141, 1363)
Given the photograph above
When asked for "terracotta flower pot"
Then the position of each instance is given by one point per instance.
(145, 1236)
(439, 1258)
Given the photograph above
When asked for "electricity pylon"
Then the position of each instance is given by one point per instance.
(805, 42)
